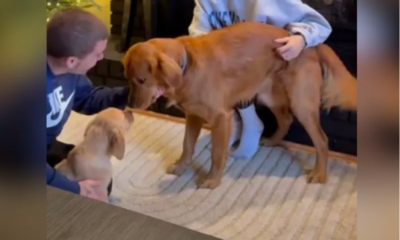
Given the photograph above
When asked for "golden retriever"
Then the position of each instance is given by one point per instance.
(103, 138)
(206, 76)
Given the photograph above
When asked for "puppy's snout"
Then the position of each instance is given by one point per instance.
(129, 116)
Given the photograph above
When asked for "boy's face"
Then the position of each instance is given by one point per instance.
(83, 65)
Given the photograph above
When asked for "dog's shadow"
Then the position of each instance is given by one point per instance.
(288, 165)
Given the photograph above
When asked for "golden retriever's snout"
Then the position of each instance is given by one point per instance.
(139, 100)
(136, 105)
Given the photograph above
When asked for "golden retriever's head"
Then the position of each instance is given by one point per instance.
(149, 67)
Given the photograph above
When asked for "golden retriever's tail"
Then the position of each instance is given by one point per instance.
(339, 86)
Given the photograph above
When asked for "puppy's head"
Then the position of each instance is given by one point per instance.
(151, 65)
(116, 117)
(107, 131)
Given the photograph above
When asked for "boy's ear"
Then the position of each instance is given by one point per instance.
(117, 143)
(168, 71)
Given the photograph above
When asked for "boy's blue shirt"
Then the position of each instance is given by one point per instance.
(73, 92)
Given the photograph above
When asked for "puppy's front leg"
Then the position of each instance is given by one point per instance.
(192, 132)
(220, 132)
(64, 168)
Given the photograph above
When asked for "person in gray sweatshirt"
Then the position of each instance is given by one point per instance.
(307, 28)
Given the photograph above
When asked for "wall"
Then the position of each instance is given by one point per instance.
(117, 9)
(104, 13)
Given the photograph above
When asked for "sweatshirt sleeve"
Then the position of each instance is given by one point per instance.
(55, 179)
(306, 21)
(200, 24)
(91, 100)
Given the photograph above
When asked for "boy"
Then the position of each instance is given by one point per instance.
(76, 40)
(307, 27)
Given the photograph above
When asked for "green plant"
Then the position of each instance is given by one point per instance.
(54, 6)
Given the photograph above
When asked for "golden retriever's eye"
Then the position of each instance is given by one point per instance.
(141, 80)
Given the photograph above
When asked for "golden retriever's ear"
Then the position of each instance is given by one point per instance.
(117, 144)
(126, 61)
(171, 72)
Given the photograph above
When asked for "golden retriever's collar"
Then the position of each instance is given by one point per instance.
(184, 63)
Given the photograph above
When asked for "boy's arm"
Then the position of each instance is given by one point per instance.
(200, 24)
(91, 100)
(306, 21)
(55, 179)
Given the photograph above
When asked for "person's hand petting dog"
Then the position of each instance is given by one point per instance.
(93, 189)
(292, 47)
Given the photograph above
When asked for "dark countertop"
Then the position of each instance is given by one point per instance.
(73, 217)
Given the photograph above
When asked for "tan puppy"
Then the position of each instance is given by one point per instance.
(103, 138)
(207, 76)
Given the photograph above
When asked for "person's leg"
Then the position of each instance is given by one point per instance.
(235, 132)
(236, 129)
(58, 151)
(251, 132)
(109, 187)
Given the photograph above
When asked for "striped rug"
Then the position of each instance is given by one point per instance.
(265, 198)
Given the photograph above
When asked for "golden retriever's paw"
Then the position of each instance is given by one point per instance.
(211, 183)
(176, 169)
(209, 147)
(316, 176)
(271, 143)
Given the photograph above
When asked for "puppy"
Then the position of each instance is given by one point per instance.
(207, 76)
(103, 138)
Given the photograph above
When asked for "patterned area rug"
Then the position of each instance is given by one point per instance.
(265, 198)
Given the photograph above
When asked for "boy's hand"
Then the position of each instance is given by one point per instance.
(292, 46)
(93, 189)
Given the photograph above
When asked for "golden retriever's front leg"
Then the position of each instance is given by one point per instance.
(192, 131)
(220, 132)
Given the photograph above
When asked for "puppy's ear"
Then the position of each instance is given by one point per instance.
(117, 143)
(169, 70)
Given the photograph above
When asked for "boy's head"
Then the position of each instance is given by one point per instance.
(76, 39)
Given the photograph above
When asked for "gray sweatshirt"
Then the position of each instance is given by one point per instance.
(292, 15)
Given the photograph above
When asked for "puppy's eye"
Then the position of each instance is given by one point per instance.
(141, 80)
